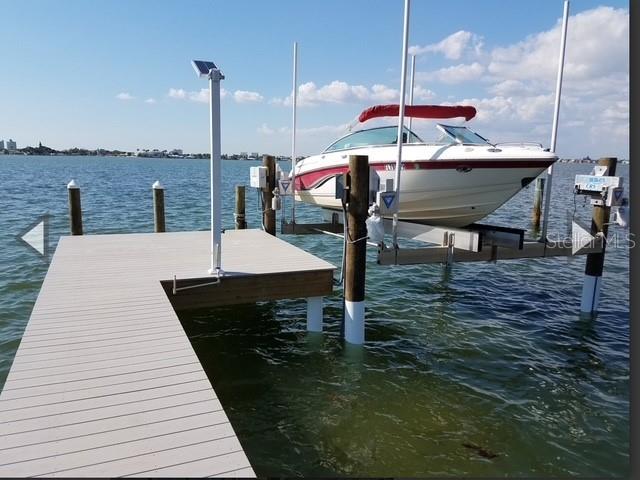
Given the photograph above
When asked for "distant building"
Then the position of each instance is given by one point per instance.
(243, 155)
(253, 155)
(1, 144)
(11, 145)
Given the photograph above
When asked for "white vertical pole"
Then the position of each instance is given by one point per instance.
(314, 314)
(556, 116)
(403, 87)
(216, 172)
(293, 132)
(411, 86)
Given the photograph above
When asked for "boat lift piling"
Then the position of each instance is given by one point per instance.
(268, 213)
(239, 214)
(356, 248)
(158, 207)
(595, 261)
(537, 203)
(75, 208)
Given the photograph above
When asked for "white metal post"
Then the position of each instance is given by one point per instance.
(403, 86)
(293, 132)
(411, 86)
(314, 314)
(556, 116)
(216, 171)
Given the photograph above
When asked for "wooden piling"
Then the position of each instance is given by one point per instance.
(269, 214)
(356, 251)
(537, 203)
(158, 207)
(75, 208)
(239, 214)
(595, 261)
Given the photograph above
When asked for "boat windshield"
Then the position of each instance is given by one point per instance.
(461, 135)
(373, 136)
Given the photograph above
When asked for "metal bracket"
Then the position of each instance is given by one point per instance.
(217, 281)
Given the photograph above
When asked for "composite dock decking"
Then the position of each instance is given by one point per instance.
(105, 382)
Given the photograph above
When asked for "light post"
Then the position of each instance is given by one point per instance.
(210, 71)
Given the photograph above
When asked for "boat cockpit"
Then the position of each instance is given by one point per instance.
(449, 135)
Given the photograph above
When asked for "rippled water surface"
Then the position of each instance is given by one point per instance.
(484, 370)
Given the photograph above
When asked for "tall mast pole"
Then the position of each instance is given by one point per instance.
(556, 115)
(293, 132)
(403, 87)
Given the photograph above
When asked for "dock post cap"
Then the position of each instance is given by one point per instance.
(72, 184)
(157, 185)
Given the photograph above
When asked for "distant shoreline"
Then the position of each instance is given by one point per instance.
(202, 156)
(41, 152)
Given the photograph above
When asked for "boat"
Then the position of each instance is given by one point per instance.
(455, 181)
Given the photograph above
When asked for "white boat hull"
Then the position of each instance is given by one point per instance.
(444, 191)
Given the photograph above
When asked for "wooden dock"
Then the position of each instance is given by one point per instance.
(105, 382)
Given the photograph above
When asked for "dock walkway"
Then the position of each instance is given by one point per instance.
(105, 382)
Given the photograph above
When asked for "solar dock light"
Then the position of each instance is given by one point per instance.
(209, 70)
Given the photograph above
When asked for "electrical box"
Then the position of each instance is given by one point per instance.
(596, 184)
(258, 177)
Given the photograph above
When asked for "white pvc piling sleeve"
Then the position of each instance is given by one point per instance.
(354, 322)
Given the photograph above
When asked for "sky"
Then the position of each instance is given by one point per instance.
(116, 74)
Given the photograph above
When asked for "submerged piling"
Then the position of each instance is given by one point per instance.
(158, 207)
(595, 261)
(268, 213)
(537, 203)
(356, 251)
(75, 208)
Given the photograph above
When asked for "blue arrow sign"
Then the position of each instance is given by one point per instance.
(285, 185)
(388, 198)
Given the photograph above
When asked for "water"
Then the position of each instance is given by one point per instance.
(486, 370)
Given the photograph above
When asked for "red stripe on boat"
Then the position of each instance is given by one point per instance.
(309, 180)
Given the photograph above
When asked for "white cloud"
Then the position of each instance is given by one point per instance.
(332, 130)
(597, 44)
(520, 84)
(125, 96)
(177, 93)
(422, 94)
(150, 101)
(201, 96)
(452, 47)
(455, 74)
(339, 92)
(243, 96)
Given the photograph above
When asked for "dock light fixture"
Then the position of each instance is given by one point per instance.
(205, 69)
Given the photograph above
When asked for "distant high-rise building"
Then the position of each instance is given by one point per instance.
(11, 145)
(1, 144)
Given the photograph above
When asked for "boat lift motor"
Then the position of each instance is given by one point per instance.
(605, 191)
(258, 177)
